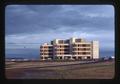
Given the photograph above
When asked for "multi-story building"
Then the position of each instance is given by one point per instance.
(73, 48)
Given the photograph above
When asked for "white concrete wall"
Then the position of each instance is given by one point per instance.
(72, 40)
(55, 41)
(95, 49)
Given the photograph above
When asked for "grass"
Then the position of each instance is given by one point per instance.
(102, 70)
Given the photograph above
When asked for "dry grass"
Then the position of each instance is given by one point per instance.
(103, 70)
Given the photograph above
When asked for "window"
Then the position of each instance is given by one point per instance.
(66, 46)
(73, 53)
(88, 57)
(66, 41)
(61, 41)
(86, 45)
(52, 42)
(77, 40)
(87, 52)
(79, 57)
(83, 53)
(60, 57)
(74, 45)
(41, 57)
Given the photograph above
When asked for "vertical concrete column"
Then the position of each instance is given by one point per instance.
(71, 58)
(53, 57)
(76, 57)
(43, 58)
(63, 57)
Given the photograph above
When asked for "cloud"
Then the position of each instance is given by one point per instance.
(31, 25)
(106, 39)
(34, 18)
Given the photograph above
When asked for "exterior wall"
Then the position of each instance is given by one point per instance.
(46, 51)
(72, 40)
(73, 48)
(95, 49)
(82, 49)
(55, 41)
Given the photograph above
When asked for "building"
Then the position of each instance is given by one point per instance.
(73, 48)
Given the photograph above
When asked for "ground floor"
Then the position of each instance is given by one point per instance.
(66, 57)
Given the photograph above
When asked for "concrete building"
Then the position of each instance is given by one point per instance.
(73, 48)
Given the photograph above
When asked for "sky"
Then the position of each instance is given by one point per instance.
(29, 26)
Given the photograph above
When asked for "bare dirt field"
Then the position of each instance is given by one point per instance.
(59, 70)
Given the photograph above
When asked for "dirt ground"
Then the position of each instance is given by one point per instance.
(46, 70)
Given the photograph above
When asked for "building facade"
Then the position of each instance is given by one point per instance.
(73, 48)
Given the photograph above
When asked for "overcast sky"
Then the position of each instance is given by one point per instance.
(42, 23)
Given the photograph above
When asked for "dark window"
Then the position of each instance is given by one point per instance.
(50, 51)
(52, 42)
(46, 57)
(79, 57)
(66, 41)
(45, 46)
(66, 49)
(41, 46)
(74, 53)
(50, 54)
(41, 57)
(77, 40)
(84, 53)
(60, 57)
(83, 45)
(50, 47)
(74, 49)
(86, 45)
(74, 45)
(66, 53)
(66, 46)
(88, 57)
(74, 57)
(61, 41)
(88, 53)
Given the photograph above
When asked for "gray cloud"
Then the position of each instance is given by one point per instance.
(29, 19)
(43, 23)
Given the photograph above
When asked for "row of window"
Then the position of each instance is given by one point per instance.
(63, 41)
(86, 57)
(61, 53)
(84, 53)
(46, 47)
(62, 49)
(67, 46)
(81, 49)
(46, 50)
(81, 53)
(78, 40)
(62, 46)
(52, 54)
(58, 46)
(81, 45)
(76, 49)
(46, 54)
